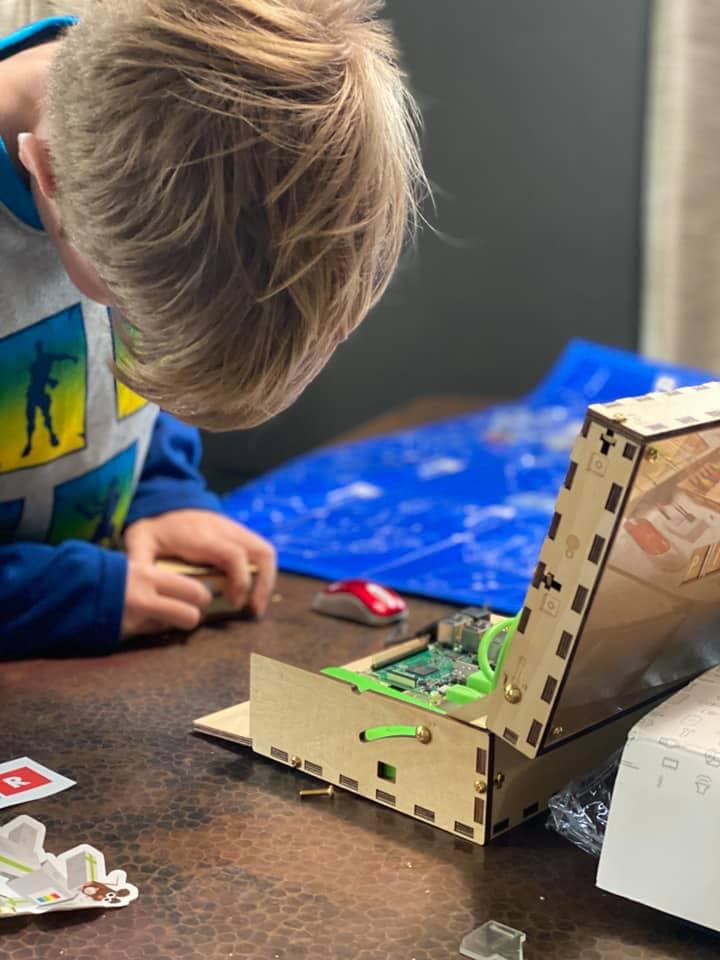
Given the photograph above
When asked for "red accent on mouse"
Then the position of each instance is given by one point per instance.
(361, 600)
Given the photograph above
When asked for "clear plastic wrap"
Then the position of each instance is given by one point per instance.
(580, 811)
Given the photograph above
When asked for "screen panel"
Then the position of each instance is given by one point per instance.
(654, 620)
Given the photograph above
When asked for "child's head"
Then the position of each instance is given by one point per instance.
(242, 175)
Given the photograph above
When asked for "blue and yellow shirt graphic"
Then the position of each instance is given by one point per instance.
(94, 505)
(127, 401)
(43, 389)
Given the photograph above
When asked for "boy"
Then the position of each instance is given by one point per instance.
(235, 180)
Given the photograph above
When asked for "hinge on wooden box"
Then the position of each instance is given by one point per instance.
(550, 583)
(607, 440)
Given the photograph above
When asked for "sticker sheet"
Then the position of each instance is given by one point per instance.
(35, 881)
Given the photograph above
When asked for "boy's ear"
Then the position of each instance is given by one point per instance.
(35, 157)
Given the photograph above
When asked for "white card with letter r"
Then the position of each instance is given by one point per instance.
(25, 779)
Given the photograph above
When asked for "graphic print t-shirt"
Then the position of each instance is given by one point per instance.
(72, 439)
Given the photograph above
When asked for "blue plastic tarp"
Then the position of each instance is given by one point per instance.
(455, 510)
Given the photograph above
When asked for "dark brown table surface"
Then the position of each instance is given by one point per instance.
(231, 863)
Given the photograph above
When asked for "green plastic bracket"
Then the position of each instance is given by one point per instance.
(457, 693)
(480, 683)
(365, 683)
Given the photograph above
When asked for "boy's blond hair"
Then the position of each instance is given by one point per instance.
(243, 175)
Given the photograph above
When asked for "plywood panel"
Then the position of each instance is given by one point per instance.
(314, 722)
(233, 723)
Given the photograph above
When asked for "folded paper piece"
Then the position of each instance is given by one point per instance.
(34, 881)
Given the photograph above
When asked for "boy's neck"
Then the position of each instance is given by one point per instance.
(23, 82)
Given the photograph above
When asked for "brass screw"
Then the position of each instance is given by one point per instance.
(499, 780)
(558, 731)
(324, 792)
(512, 693)
(423, 735)
(295, 761)
(480, 786)
(652, 454)
(619, 418)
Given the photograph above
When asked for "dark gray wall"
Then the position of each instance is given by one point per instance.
(534, 125)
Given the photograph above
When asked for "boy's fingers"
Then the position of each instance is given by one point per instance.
(140, 546)
(266, 564)
(175, 613)
(233, 560)
(230, 558)
(231, 553)
(178, 587)
(262, 555)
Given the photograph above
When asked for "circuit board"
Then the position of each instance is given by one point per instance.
(451, 670)
(448, 671)
(431, 673)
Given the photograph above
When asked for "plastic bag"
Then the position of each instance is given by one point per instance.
(580, 811)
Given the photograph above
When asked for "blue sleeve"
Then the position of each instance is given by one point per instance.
(64, 600)
(171, 478)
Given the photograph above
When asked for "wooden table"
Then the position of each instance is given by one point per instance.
(231, 863)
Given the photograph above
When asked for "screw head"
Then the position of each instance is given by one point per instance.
(423, 735)
(513, 694)
(619, 417)
(499, 780)
(480, 786)
(652, 454)
(295, 761)
(558, 731)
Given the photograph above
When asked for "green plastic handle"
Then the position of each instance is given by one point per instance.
(508, 625)
(382, 733)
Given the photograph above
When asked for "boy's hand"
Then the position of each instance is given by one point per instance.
(199, 536)
(158, 600)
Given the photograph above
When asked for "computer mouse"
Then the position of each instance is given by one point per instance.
(361, 600)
